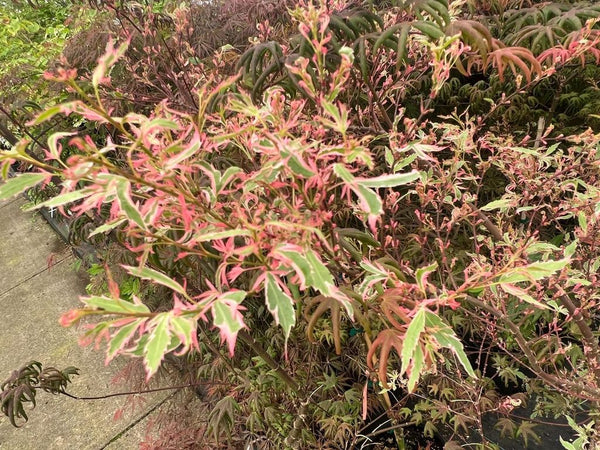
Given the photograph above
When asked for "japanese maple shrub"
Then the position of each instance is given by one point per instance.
(302, 199)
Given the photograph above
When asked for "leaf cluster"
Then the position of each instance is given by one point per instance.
(21, 386)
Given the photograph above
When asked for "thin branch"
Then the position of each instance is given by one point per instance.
(148, 391)
(487, 223)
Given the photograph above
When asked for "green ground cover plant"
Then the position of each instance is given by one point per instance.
(374, 219)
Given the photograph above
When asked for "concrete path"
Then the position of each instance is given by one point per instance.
(37, 284)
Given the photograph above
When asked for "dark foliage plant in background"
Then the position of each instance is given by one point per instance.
(355, 222)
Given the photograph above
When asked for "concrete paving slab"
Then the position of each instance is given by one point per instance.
(29, 330)
(174, 405)
(7, 201)
(27, 245)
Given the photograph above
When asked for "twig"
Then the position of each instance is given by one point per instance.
(493, 229)
(149, 391)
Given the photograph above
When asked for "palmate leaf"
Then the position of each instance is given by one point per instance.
(351, 24)
(395, 304)
(436, 9)
(473, 33)
(506, 426)
(351, 27)
(516, 58)
(356, 242)
(526, 432)
(538, 37)
(259, 62)
(416, 346)
(315, 308)
(575, 18)
(20, 388)
(222, 417)
(386, 341)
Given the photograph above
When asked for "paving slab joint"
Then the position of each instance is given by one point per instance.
(138, 420)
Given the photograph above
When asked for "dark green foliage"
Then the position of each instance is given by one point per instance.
(20, 388)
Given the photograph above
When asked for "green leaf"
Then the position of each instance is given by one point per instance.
(158, 277)
(115, 305)
(521, 294)
(158, 342)
(571, 249)
(227, 316)
(47, 114)
(279, 304)
(411, 338)
(404, 162)
(184, 328)
(20, 183)
(526, 151)
(496, 204)
(53, 143)
(450, 341)
(159, 123)
(127, 205)
(343, 173)
(370, 201)
(415, 373)
(320, 276)
(107, 227)
(525, 431)
(422, 273)
(583, 223)
(446, 337)
(120, 339)
(568, 446)
(311, 270)
(361, 236)
(213, 235)
(187, 152)
(534, 271)
(227, 177)
(62, 199)
(298, 167)
(393, 180)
